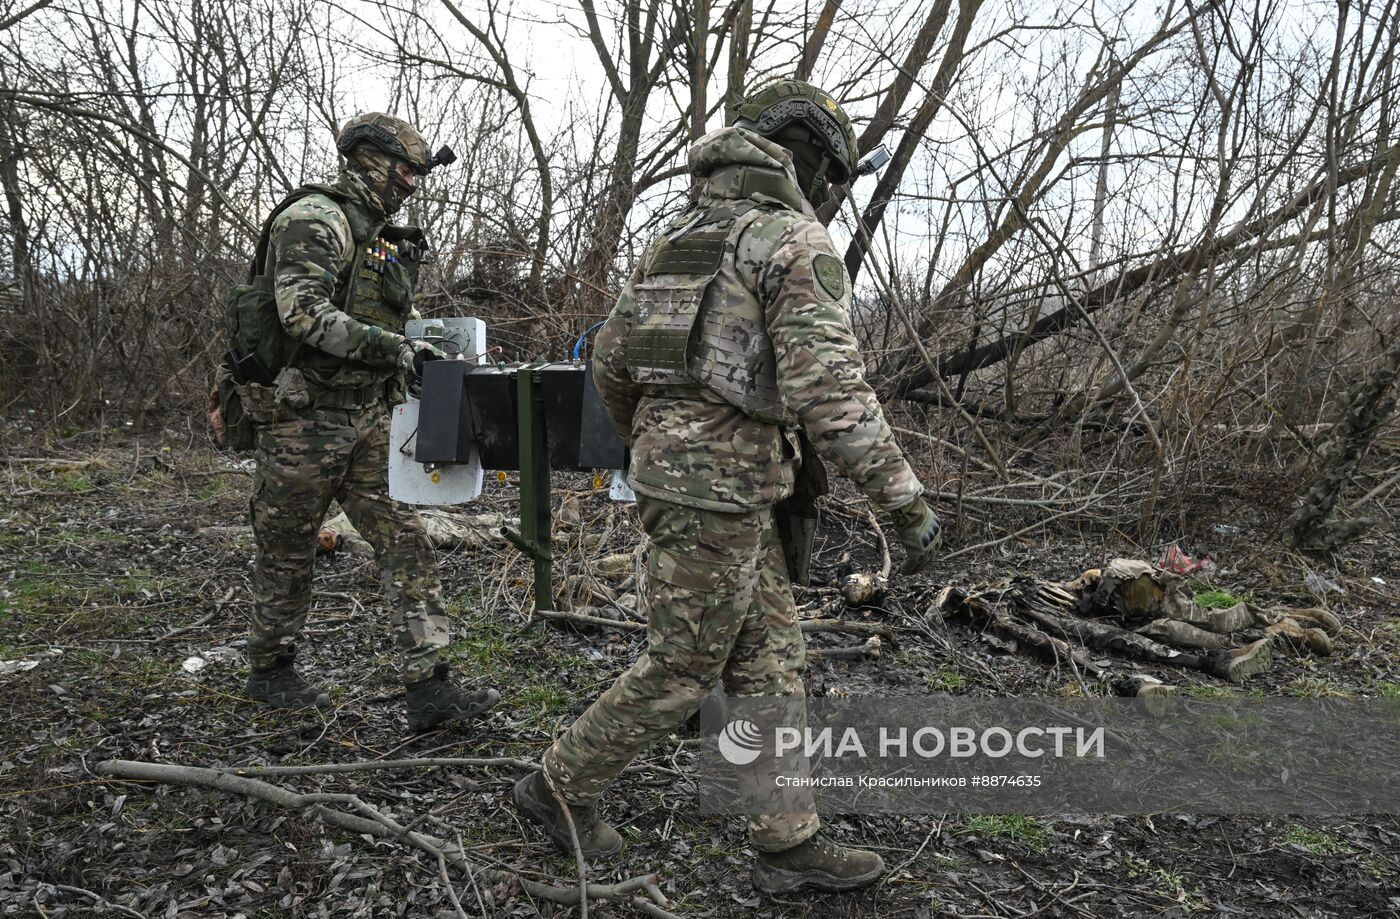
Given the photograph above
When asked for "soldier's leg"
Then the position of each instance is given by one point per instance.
(298, 465)
(1183, 634)
(402, 549)
(768, 661)
(698, 586)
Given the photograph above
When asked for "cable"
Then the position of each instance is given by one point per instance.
(578, 345)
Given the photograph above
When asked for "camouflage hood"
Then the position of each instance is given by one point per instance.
(357, 184)
(727, 158)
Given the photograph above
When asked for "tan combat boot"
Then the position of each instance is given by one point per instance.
(1242, 663)
(1316, 639)
(819, 863)
(1315, 616)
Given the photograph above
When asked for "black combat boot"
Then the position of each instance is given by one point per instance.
(819, 863)
(536, 803)
(436, 699)
(282, 687)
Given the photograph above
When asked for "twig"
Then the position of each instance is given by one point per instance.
(651, 909)
(884, 545)
(369, 821)
(574, 616)
(871, 649)
(1021, 532)
(894, 299)
(99, 901)
(387, 764)
(846, 627)
(471, 877)
(201, 621)
(581, 865)
(451, 890)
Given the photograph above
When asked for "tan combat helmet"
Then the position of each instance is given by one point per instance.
(394, 137)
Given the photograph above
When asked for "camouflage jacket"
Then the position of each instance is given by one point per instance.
(692, 447)
(311, 246)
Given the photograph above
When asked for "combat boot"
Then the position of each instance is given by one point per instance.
(1316, 617)
(1239, 664)
(536, 802)
(818, 863)
(1316, 639)
(282, 687)
(436, 699)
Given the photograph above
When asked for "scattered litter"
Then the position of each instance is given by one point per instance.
(1225, 529)
(1377, 580)
(1320, 585)
(203, 659)
(24, 665)
(1178, 562)
(446, 530)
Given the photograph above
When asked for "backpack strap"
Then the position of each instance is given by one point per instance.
(258, 268)
(361, 231)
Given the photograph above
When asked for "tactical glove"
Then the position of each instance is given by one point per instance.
(413, 354)
(919, 533)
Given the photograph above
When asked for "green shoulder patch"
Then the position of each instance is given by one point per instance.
(831, 275)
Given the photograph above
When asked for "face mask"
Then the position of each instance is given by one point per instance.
(809, 162)
(377, 169)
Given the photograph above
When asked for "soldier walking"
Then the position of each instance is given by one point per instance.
(342, 278)
(728, 352)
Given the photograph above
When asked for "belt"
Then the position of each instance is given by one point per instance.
(349, 398)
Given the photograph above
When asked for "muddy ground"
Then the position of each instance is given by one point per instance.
(122, 557)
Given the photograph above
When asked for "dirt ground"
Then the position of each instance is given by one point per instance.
(122, 557)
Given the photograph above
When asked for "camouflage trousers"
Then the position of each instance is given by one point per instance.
(719, 608)
(301, 465)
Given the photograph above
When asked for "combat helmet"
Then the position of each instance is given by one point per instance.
(394, 137)
(773, 107)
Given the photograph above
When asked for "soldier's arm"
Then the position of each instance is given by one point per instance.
(820, 373)
(615, 385)
(310, 243)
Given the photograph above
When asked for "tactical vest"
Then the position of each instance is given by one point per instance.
(375, 288)
(697, 322)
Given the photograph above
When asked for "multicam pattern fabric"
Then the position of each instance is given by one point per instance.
(302, 463)
(720, 609)
(312, 244)
(323, 430)
(692, 446)
(715, 588)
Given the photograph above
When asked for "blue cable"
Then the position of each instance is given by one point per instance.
(578, 345)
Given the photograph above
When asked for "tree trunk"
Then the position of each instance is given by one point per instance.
(1368, 406)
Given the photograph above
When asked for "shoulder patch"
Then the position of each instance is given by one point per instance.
(831, 274)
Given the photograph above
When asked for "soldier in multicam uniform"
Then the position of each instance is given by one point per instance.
(728, 353)
(343, 279)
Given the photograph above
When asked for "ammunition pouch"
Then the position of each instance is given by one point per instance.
(232, 429)
(259, 345)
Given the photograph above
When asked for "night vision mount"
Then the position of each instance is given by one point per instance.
(445, 157)
(873, 161)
